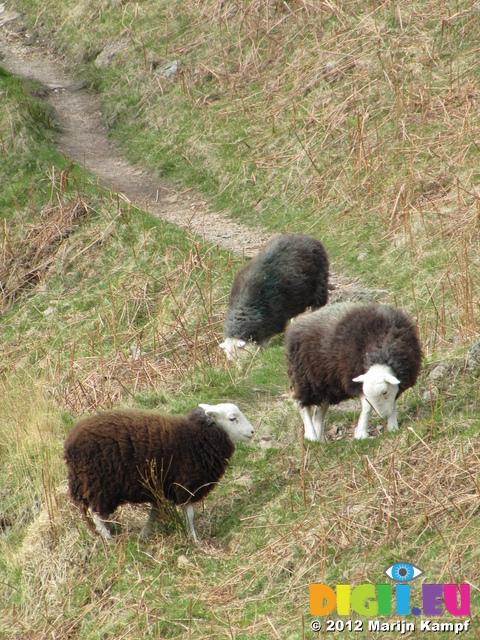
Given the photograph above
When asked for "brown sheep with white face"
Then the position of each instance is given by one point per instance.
(111, 455)
(351, 350)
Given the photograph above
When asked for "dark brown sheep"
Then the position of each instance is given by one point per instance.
(288, 275)
(110, 457)
(351, 350)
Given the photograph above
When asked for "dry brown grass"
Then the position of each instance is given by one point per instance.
(349, 111)
(28, 252)
(180, 332)
(400, 495)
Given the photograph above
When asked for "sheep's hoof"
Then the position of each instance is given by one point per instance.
(105, 536)
(361, 436)
(194, 540)
(101, 527)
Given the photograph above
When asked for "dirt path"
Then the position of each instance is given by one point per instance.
(84, 139)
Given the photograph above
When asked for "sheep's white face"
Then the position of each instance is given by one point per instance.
(229, 417)
(233, 347)
(380, 388)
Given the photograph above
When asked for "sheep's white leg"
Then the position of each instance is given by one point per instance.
(308, 426)
(361, 432)
(153, 518)
(189, 513)
(392, 420)
(319, 420)
(100, 525)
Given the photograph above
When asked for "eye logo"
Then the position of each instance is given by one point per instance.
(402, 572)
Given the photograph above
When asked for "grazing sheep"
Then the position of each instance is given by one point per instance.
(350, 350)
(287, 276)
(111, 455)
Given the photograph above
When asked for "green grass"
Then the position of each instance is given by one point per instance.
(26, 145)
(353, 122)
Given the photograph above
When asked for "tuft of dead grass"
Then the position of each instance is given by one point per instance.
(28, 252)
(101, 384)
(397, 501)
(178, 335)
(403, 493)
(140, 315)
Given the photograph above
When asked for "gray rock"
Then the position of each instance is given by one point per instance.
(438, 372)
(331, 71)
(268, 442)
(170, 68)
(354, 294)
(330, 66)
(183, 562)
(8, 16)
(473, 357)
(136, 352)
(105, 58)
(430, 396)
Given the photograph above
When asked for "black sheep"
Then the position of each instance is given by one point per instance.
(110, 458)
(350, 350)
(287, 276)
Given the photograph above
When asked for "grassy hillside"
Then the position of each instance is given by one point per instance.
(355, 122)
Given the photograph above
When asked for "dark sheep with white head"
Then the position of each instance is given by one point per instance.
(289, 275)
(351, 350)
(110, 458)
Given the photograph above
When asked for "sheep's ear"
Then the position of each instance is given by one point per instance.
(359, 378)
(209, 410)
(391, 379)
